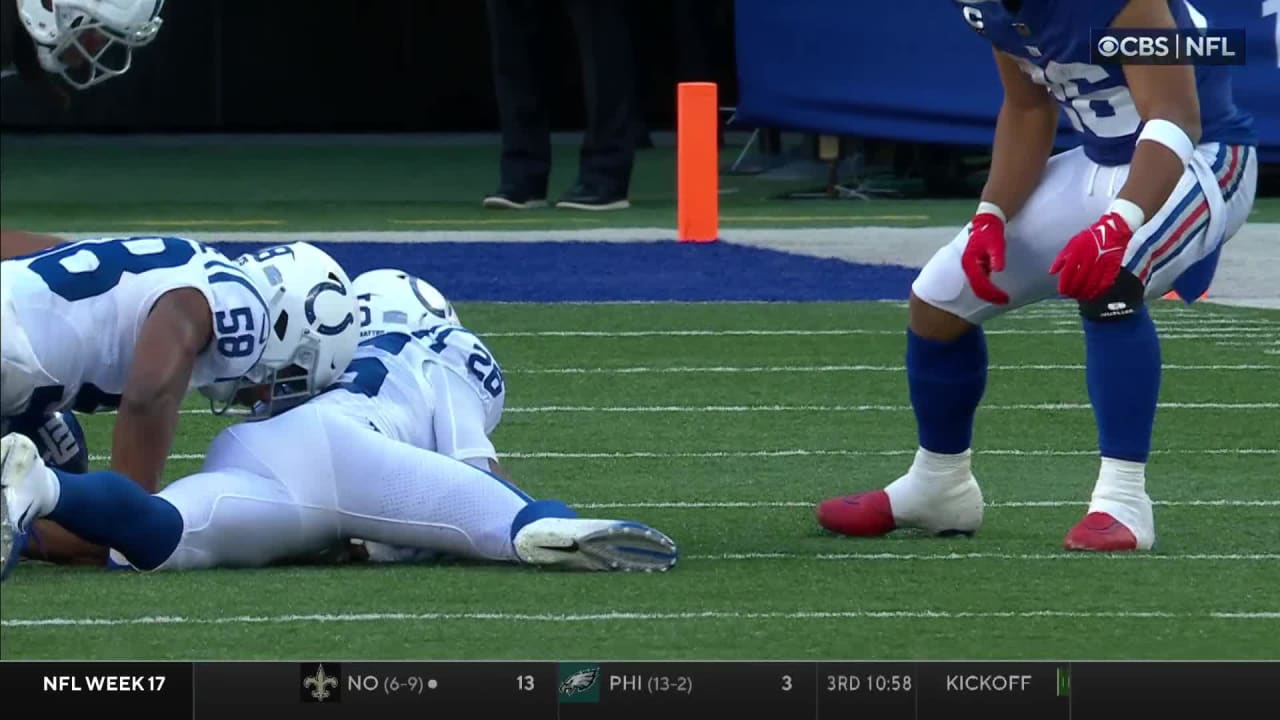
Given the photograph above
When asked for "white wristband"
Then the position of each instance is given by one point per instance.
(1132, 214)
(1171, 136)
(994, 209)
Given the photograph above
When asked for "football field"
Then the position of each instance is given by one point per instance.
(723, 424)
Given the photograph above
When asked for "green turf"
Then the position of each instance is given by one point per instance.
(318, 185)
(739, 435)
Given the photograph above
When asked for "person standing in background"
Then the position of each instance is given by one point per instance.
(608, 151)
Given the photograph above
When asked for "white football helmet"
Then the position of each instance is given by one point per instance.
(103, 33)
(395, 301)
(312, 310)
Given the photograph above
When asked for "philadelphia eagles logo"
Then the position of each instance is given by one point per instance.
(580, 682)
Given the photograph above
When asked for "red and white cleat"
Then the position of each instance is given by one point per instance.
(865, 514)
(941, 504)
(1100, 532)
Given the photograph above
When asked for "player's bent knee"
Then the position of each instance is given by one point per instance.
(934, 323)
(1122, 301)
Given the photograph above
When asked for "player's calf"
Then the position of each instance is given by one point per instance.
(1122, 359)
(105, 508)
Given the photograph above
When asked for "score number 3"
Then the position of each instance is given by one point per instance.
(786, 683)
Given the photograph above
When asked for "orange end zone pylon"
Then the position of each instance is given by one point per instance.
(697, 162)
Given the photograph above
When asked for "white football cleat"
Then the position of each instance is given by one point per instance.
(582, 544)
(26, 486)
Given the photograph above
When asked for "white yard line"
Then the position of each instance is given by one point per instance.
(625, 616)
(854, 408)
(1178, 333)
(547, 409)
(856, 453)
(733, 369)
(634, 455)
(753, 504)
(953, 557)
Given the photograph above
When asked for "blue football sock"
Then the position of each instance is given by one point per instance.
(537, 510)
(1122, 360)
(107, 508)
(946, 380)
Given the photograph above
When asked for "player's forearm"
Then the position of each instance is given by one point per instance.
(1157, 166)
(143, 435)
(1023, 142)
(1152, 177)
(14, 243)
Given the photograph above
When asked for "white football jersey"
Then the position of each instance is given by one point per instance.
(81, 307)
(439, 389)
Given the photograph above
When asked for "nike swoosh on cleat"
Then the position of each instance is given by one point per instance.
(572, 547)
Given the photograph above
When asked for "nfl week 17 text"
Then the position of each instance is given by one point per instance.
(104, 683)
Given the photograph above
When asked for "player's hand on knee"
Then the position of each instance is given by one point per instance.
(1090, 263)
(984, 253)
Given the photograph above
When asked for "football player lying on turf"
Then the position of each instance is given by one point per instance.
(133, 323)
(397, 455)
(1165, 176)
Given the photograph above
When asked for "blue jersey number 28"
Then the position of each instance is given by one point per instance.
(89, 269)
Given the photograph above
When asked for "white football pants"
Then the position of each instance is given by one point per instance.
(299, 485)
(1208, 206)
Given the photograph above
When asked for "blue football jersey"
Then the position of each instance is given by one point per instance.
(1052, 41)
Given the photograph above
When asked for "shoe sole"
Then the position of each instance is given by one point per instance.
(11, 466)
(497, 203)
(620, 547)
(615, 205)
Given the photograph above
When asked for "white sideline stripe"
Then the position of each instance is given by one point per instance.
(807, 453)
(1179, 333)
(539, 409)
(680, 505)
(830, 368)
(628, 616)
(1092, 557)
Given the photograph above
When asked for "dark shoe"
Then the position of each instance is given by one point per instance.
(582, 197)
(507, 199)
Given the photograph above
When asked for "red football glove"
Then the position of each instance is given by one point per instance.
(983, 255)
(1090, 263)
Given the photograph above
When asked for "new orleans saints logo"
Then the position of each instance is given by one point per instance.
(321, 686)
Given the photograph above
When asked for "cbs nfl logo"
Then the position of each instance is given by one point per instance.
(1168, 47)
